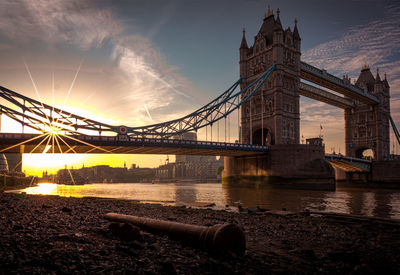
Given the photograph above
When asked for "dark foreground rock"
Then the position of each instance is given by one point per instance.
(50, 234)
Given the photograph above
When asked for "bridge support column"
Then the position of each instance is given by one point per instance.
(296, 166)
(14, 161)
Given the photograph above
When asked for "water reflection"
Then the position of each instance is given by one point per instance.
(395, 205)
(359, 201)
(383, 204)
(184, 193)
(337, 202)
(369, 204)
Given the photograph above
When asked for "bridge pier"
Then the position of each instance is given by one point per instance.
(353, 177)
(386, 171)
(296, 166)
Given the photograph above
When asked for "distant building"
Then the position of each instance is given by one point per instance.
(189, 166)
(315, 141)
(104, 173)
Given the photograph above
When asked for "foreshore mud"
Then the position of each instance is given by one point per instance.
(51, 234)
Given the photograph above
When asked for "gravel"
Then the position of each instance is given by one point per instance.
(57, 235)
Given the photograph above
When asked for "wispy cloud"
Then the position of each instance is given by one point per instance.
(74, 22)
(377, 43)
(144, 77)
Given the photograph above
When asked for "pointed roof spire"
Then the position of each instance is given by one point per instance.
(269, 13)
(243, 45)
(278, 25)
(295, 30)
(377, 78)
(386, 82)
(365, 67)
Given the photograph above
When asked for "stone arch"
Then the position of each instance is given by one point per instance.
(365, 152)
(268, 136)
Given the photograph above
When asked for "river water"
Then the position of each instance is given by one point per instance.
(358, 201)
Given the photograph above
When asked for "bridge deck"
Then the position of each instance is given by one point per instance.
(33, 143)
(349, 164)
(347, 167)
(324, 79)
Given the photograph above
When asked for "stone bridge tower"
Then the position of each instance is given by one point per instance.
(271, 116)
(367, 126)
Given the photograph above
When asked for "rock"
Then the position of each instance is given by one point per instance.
(125, 232)
(127, 250)
(168, 268)
(344, 256)
(260, 209)
(66, 209)
(309, 253)
(18, 227)
(252, 210)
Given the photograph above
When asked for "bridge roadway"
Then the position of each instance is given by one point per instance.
(84, 144)
(349, 164)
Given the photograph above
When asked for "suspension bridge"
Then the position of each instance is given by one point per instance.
(64, 132)
(264, 102)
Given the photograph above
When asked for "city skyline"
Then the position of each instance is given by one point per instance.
(185, 57)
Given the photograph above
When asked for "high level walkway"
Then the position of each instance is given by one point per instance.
(324, 79)
(324, 96)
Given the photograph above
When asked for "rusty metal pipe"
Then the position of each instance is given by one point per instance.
(218, 238)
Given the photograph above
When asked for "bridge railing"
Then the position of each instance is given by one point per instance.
(351, 159)
(361, 163)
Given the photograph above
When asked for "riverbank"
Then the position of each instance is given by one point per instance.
(51, 234)
(8, 183)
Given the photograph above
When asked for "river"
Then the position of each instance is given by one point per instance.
(358, 201)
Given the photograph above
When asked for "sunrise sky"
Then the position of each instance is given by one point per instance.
(141, 62)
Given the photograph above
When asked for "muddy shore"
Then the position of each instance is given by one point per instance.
(51, 234)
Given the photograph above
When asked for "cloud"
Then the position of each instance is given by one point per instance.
(58, 21)
(377, 43)
(144, 78)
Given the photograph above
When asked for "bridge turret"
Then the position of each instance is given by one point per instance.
(272, 114)
(385, 82)
(277, 31)
(278, 24)
(367, 126)
(296, 36)
(377, 78)
(366, 80)
(378, 85)
(243, 50)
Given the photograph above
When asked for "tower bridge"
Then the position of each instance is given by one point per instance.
(272, 78)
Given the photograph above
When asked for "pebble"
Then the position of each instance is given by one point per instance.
(39, 234)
